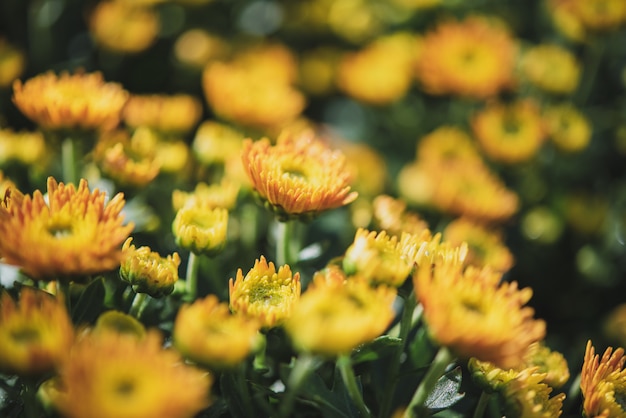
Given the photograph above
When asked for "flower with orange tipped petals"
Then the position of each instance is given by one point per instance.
(71, 234)
(603, 380)
(298, 177)
(78, 101)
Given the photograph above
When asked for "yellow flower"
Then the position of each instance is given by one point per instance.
(216, 143)
(12, 63)
(120, 323)
(251, 98)
(334, 319)
(425, 249)
(75, 235)
(367, 167)
(208, 334)
(602, 382)
(298, 177)
(123, 27)
(201, 230)
(220, 195)
(568, 127)
(600, 15)
(447, 144)
(147, 271)
(475, 317)
(552, 68)
(173, 156)
(527, 396)
(27, 148)
(196, 47)
(550, 363)
(486, 247)
(365, 74)
(127, 160)
(35, 333)
(468, 189)
(113, 375)
(391, 214)
(472, 58)
(377, 257)
(264, 293)
(178, 113)
(510, 133)
(78, 101)
(318, 69)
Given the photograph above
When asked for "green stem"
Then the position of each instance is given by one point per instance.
(63, 288)
(283, 243)
(29, 399)
(437, 368)
(242, 386)
(303, 367)
(69, 160)
(405, 327)
(347, 374)
(139, 303)
(193, 264)
(483, 401)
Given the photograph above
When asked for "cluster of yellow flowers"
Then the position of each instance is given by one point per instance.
(351, 283)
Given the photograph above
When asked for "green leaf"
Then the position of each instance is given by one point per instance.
(421, 350)
(446, 392)
(373, 350)
(90, 303)
(239, 404)
(332, 403)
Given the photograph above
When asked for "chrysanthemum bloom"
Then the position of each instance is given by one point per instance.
(485, 244)
(28, 148)
(364, 75)
(123, 27)
(77, 234)
(208, 334)
(201, 230)
(377, 257)
(391, 214)
(121, 323)
(269, 61)
(113, 375)
(218, 195)
(78, 101)
(216, 143)
(367, 167)
(334, 319)
(462, 189)
(551, 363)
(472, 58)
(178, 113)
(148, 272)
(173, 156)
(511, 133)
(127, 160)
(529, 397)
(196, 47)
(447, 144)
(35, 332)
(474, 317)
(298, 177)
(602, 382)
(427, 249)
(240, 95)
(568, 128)
(264, 293)
(318, 68)
(551, 68)
(11, 63)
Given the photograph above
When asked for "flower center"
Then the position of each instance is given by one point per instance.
(25, 336)
(265, 297)
(60, 232)
(472, 306)
(125, 387)
(620, 398)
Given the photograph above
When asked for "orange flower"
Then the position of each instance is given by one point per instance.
(392, 215)
(298, 177)
(510, 133)
(475, 317)
(602, 380)
(75, 234)
(177, 113)
(79, 101)
(472, 58)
